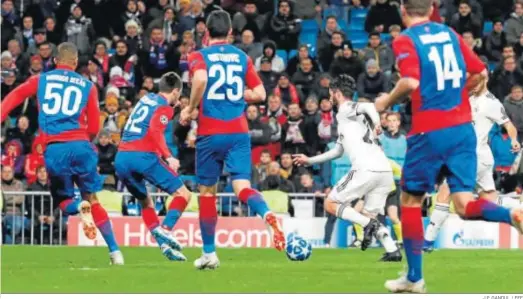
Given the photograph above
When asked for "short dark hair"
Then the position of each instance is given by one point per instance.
(169, 82)
(419, 8)
(464, 2)
(508, 46)
(345, 84)
(331, 17)
(219, 24)
(40, 167)
(285, 153)
(374, 33)
(266, 151)
(156, 28)
(44, 43)
(337, 32)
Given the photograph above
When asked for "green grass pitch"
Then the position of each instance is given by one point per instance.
(85, 270)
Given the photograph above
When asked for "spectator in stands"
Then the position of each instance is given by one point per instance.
(450, 7)
(497, 9)
(514, 25)
(514, 107)
(44, 215)
(52, 35)
(518, 47)
(172, 31)
(393, 141)
(7, 61)
(8, 84)
(112, 120)
(39, 38)
(326, 55)
(372, 82)
(158, 56)
(308, 185)
(275, 181)
(293, 131)
(106, 154)
(312, 119)
(125, 60)
(250, 20)
(380, 52)
(14, 157)
(131, 13)
(290, 171)
(394, 31)
(247, 44)
(262, 168)
(306, 79)
(9, 14)
(465, 20)
(34, 160)
(157, 10)
(133, 37)
(21, 60)
(474, 44)
(331, 26)
(276, 117)
(22, 133)
(495, 41)
(79, 30)
(381, 16)
(322, 91)
(8, 31)
(36, 65)
(503, 78)
(101, 55)
(209, 6)
(27, 32)
(269, 51)
(259, 131)
(13, 219)
(508, 51)
(267, 75)
(328, 126)
(45, 51)
(293, 63)
(287, 91)
(285, 27)
(94, 73)
(348, 62)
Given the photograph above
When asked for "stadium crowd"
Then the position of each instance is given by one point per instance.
(297, 47)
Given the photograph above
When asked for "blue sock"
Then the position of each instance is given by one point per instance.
(70, 207)
(101, 219)
(176, 208)
(254, 200)
(208, 221)
(483, 209)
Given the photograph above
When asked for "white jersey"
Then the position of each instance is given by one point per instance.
(356, 136)
(487, 110)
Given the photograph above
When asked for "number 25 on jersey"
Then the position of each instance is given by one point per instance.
(446, 66)
(225, 75)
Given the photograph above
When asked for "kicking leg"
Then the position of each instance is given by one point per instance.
(254, 199)
(437, 218)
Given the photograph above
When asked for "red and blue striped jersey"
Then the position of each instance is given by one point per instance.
(230, 72)
(145, 128)
(436, 56)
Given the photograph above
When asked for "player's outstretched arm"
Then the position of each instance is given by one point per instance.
(256, 92)
(18, 95)
(334, 153)
(513, 134)
(370, 110)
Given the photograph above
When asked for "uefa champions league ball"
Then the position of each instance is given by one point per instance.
(298, 249)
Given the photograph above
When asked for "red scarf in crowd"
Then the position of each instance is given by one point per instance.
(104, 61)
(293, 92)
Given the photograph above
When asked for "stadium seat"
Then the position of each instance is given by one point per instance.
(358, 35)
(357, 25)
(283, 55)
(359, 44)
(358, 13)
(386, 37)
(308, 38)
(327, 12)
(293, 54)
(487, 27)
(492, 65)
(309, 26)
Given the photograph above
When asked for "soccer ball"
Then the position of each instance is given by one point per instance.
(298, 249)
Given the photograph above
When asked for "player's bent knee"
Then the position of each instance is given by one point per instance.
(207, 190)
(489, 195)
(183, 192)
(330, 206)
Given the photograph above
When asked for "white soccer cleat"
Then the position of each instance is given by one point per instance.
(517, 219)
(116, 258)
(172, 254)
(207, 261)
(163, 236)
(403, 285)
(87, 220)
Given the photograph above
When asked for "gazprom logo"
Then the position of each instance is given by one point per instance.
(460, 241)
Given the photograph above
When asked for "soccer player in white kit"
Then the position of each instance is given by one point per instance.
(487, 111)
(370, 177)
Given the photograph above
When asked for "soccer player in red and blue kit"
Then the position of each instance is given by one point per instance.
(139, 158)
(225, 78)
(434, 64)
(68, 119)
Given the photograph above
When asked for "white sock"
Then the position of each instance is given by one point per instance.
(345, 212)
(509, 202)
(385, 238)
(438, 217)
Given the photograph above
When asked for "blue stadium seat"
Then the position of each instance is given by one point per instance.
(309, 26)
(492, 65)
(293, 54)
(357, 25)
(385, 37)
(312, 50)
(358, 35)
(487, 27)
(359, 44)
(283, 55)
(358, 13)
(308, 38)
(111, 51)
(327, 12)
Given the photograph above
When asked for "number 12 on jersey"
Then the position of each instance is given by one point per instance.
(446, 68)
